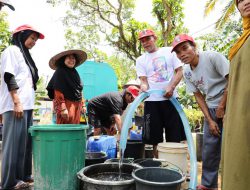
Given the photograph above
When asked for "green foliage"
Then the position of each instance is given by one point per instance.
(40, 92)
(186, 100)
(170, 19)
(123, 67)
(190, 107)
(95, 23)
(5, 35)
(228, 11)
(195, 118)
(223, 39)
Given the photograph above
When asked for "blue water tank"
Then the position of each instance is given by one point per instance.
(98, 78)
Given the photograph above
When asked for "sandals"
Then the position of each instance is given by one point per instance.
(21, 185)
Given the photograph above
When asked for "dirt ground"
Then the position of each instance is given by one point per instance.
(185, 184)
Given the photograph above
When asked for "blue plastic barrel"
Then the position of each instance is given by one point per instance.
(103, 143)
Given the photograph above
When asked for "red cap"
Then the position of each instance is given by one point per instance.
(28, 27)
(181, 38)
(145, 33)
(133, 90)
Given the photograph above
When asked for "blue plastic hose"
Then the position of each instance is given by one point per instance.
(127, 122)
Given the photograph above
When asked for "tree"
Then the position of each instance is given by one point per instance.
(5, 34)
(170, 18)
(227, 12)
(223, 39)
(124, 68)
(96, 21)
(93, 25)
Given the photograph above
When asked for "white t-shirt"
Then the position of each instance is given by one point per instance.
(159, 68)
(12, 61)
(208, 77)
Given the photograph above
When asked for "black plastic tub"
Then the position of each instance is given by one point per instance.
(117, 160)
(134, 149)
(157, 179)
(94, 158)
(148, 162)
(89, 181)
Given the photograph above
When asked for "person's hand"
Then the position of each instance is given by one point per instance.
(220, 112)
(65, 114)
(84, 109)
(18, 110)
(112, 130)
(169, 92)
(144, 87)
(214, 129)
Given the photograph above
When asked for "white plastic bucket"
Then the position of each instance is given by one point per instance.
(175, 153)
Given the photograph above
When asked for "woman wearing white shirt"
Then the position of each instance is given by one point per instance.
(19, 76)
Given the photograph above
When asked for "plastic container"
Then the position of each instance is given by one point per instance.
(139, 121)
(149, 151)
(135, 135)
(134, 149)
(199, 146)
(87, 175)
(93, 74)
(94, 158)
(58, 152)
(116, 160)
(157, 179)
(103, 143)
(148, 162)
(175, 153)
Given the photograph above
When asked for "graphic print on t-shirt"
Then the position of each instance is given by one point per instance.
(160, 69)
(199, 84)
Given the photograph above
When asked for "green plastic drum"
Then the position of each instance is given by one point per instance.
(58, 154)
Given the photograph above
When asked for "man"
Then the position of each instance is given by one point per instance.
(160, 69)
(7, 3)
(206, 75)
(104, 111)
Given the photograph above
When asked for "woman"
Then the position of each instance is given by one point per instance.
(65, 86)
(19, 76)
(236, 148)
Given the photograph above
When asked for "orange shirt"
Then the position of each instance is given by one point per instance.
(74, 109)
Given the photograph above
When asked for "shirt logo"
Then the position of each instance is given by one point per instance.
(177, 39)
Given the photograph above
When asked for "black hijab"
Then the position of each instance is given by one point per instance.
(19, 39)
(67, 81)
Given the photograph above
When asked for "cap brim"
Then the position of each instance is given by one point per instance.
(81, 57)
(41, 36)
(144, 36)
(178, 44)
(134, 96)
(10, 6)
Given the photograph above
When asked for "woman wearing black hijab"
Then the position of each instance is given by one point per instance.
(19, 76)
(65, 87)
